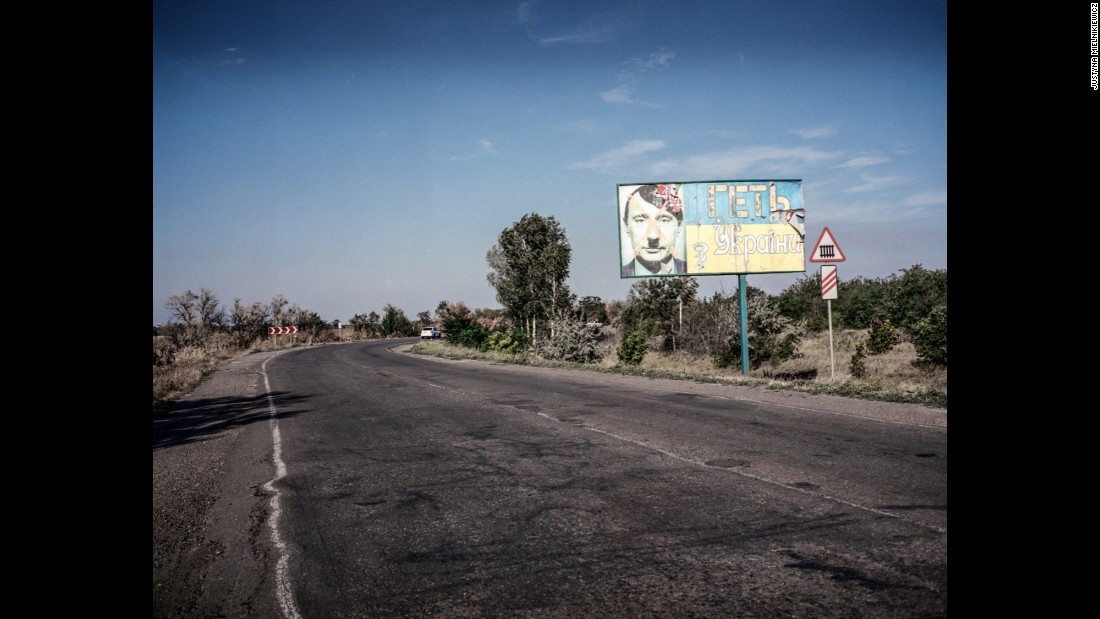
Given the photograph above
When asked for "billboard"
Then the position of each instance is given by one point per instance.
(711, 228)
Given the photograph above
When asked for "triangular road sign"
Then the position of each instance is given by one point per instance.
(826, 249)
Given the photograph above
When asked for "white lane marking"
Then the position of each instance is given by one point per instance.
(283, 590)
(749, 475)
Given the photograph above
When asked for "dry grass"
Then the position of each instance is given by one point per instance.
(176, 371)
(896, 369)
(893, 376)
(189, 366)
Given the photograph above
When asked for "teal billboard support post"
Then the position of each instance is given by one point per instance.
(743, 287)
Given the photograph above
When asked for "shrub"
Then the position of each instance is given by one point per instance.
(856, 366)
(633, 348)
(764, 348)
(883, 337)
(789, 346)
(572, 341)
(930, 337)
(502, 341)
(473, 336)
(728, 353)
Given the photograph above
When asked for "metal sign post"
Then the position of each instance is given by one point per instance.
(828, 292)
(743, 286)
(827, 250)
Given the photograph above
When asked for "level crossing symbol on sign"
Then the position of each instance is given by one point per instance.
(826, 249)
(281, 330)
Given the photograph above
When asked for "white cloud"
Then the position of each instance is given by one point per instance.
(761, 161)
(619, 156)
(655, 60)
(587, 126)
(816, 132)
(599, 27)
(621, 94)
(875, 183)
(863, 162)
(602, 35)
(629, 79)
(526, 9)
(883, 212)
(927, 198)
(233, 50)
(487, 146)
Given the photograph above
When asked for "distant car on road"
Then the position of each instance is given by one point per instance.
(430, 333)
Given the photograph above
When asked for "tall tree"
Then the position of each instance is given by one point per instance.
(278, 307)
(802, 301)
(197, 310)
(592, 309)
(530, 264)
(653, 304)
(248, 321)
(394, 322)
(914, 294)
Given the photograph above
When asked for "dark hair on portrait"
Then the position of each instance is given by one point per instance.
(649, 194)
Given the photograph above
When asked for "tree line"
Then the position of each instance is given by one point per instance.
(539, 314)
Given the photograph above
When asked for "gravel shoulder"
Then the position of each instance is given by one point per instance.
(211, 455)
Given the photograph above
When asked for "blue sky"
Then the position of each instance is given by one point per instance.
(353, 154)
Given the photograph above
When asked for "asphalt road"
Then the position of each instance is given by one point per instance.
(357, 481)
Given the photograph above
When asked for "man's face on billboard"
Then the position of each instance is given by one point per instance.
(652, 230)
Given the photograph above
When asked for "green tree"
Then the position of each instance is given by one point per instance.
(653, 304)
(502, 341)
(198, 312)
(310, 323)
(882, 337)
(708, 324)
(248, 322)
(366, 325)
(454, 318)
(856, 365)
(592, 309)
(633, 347)
(278, 310)
(772, 336)
(573, 341)
(394, 322)
(530, 264)
(914, 293)
(860, 303)
(930, 337)
(801, 301)
(360, 324)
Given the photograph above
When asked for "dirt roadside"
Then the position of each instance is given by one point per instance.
(208, 509)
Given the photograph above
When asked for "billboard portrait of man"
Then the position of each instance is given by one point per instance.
(653, 217)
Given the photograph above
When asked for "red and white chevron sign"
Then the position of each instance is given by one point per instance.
(281, 330)
(829, 282)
